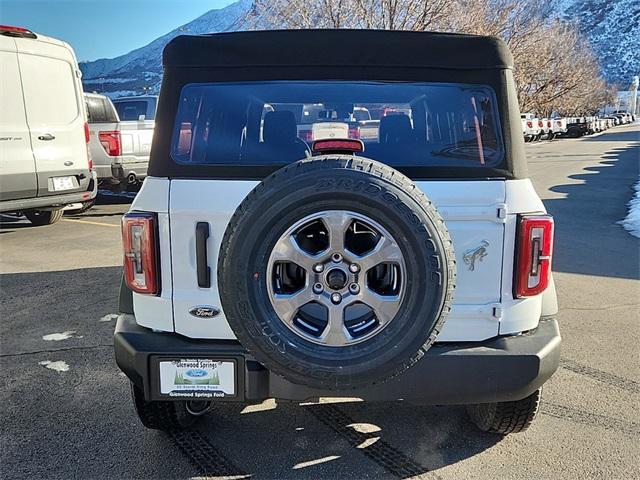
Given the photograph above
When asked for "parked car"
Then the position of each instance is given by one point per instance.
(547, 128)
(257, 266)
(559, 126)
(44, 161)
(131, 150)
(531, 127)
(103, 124)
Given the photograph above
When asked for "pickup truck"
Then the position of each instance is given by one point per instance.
(577, 126)
(119, 147)
(531, 127)
(559, 127)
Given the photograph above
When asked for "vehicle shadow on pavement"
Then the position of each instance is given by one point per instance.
(338, 440)
(588, 239)
(10, 223)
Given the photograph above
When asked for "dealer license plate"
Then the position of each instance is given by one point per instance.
(197, 377)
(63, 183)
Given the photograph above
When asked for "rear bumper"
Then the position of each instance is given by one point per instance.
(53, 201)
(497, 370)
(122, 171)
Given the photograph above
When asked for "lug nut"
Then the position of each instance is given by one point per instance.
(318, 268)
(354, 268)
(336, 257)
(336, 298)
(354, 288)
(317, 288)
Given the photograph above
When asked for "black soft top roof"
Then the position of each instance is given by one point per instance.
(296, 48)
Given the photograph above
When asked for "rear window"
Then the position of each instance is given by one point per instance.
(400, 123)
(132, 110)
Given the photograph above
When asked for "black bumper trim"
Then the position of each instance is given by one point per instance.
(497, 370)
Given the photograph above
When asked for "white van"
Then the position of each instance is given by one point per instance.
(44, 160)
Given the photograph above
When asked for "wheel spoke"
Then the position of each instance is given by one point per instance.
(385, 251)
(337, 223)
(384, 307)
(335, 333)
(288, 250)
(287, 305)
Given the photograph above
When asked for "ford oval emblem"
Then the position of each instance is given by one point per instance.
(204, 311)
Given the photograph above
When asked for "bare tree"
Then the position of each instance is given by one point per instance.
(555, 69)
(377, 14)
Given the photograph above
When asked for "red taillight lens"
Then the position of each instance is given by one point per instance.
(338, 146)
(540, 124)
(559, 123)
(533, 255)
(354, 132)
(140, 262)
(86, 132)
(530, 124)
(111, 142)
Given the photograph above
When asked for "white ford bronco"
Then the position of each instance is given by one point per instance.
(411, 263)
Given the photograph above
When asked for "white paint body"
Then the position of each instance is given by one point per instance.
(40, 97)
(476, 213)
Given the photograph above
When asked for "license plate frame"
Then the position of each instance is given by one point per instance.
(60, 184)
(197, 387)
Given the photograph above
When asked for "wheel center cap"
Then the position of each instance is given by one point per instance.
(336, 279)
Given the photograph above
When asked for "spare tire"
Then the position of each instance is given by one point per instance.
(336, 272)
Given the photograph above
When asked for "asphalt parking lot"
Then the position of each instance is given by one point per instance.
(66, 411)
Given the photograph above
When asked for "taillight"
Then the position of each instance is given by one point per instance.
(529, 124)
(540, 124)
(533, 255)
(140, 262)
(111, 142)
(559, 123)
(86, 141)
(549, 124)
(354, 132)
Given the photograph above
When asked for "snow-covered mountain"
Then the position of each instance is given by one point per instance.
(140, 71)
(613, 29)
(610, 25)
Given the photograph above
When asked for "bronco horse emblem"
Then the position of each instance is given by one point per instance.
(473, 254)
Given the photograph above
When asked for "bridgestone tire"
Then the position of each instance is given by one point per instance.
(506, 417)
(158, 415)
(337, 183)
(43, 217)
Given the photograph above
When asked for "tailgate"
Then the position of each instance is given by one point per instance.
(473, 211)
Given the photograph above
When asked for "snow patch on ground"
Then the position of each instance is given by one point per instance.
(109, 317)
(58, 366)
(632, 222)
(56, 337)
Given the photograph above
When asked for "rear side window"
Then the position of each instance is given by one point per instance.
(132, 110)
(100, 110)
(403, 124)
(49, 90)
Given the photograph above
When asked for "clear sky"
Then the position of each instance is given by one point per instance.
(104, 28)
